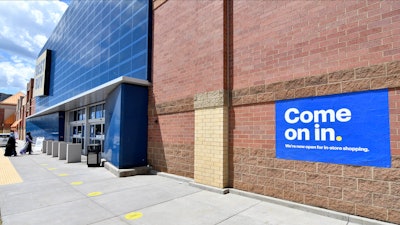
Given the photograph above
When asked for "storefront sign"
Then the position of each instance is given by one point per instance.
(350, 129)
(42, 74)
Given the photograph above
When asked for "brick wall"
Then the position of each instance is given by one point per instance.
(185, 62)
(171, 143)
(325, 36)
(2, 115)
(365, 191)
(331, 47)
(188, 49)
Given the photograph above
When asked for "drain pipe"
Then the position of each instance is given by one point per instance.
(228, 64)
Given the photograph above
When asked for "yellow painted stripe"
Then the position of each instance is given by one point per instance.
(133, 215)
(8, 174)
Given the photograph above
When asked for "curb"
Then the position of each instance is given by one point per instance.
(315, 210)
(319, 211)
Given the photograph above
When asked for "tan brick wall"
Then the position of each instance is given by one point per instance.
(211, 147)
(211, 139)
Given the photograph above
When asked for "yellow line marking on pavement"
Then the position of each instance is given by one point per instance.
(93, 194)
(63, 174)
(75, 183)
(133, 215)
(8, 174)
(51, 169)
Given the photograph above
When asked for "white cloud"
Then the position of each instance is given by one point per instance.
(24, 29)
(40, 40)
(15, 73)
(38, 16)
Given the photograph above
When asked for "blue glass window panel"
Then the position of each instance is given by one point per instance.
(99, 111)
(138, 46)
(81, 43)
(50, 126)
(139, 60)
(125, 68)
(125, 54)
(114, 48)
(139, 72)
(114, 61)
(113, 73)
(126, 40)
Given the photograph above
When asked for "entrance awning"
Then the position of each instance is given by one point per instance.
(91, 96)
(15, 124)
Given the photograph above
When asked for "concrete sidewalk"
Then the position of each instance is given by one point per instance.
(53, 192)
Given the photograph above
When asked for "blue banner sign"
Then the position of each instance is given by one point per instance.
(351, 129)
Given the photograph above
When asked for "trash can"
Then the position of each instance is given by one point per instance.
(93, 155)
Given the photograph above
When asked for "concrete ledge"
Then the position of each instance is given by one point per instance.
(319, 211)
(143, 170)
(210, 188)
(192, 183)
(172, 176)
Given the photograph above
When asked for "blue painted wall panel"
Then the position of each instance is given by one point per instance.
(134, 126)
(112, 140)
(126, 127)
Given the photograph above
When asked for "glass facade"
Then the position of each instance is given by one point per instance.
(96, 42)
(50, 126)
(99, 77)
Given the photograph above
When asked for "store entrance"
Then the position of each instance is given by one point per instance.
(97, 134)
(87, 126)
(78, 134)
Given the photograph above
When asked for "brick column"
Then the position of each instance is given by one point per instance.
(211, 139)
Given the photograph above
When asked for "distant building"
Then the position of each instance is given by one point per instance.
(7, 112)
(24, 108)
(4, 96)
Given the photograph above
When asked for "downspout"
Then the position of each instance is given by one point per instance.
(228, 64)
(228, 33)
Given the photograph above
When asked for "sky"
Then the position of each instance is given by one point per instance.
(25, 26)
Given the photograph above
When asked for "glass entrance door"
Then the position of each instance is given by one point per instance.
(97, 134)
(78, 134)
(86, 126)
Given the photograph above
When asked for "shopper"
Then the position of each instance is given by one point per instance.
(10, 147)
(29, 142)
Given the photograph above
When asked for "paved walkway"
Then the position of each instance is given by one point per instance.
(8, 174)
(53, 192)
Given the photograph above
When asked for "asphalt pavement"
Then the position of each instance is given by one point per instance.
(54, 192)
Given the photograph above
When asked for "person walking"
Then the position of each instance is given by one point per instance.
(28, 140)
(10, 147)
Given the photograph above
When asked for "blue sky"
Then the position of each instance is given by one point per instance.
(24, 28)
